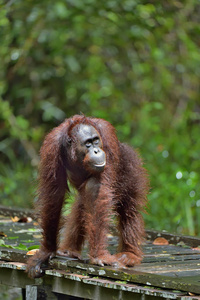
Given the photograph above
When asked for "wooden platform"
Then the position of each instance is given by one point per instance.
(167, 271)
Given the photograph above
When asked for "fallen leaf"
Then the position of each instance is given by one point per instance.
(15, 219)
(197, 248)
(37, 236)
(191, 294)
(3, 234)
(32, 252)
(160, 241)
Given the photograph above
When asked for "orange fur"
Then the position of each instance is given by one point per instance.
(120, 189)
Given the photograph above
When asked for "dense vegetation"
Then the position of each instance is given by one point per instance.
(132, 62)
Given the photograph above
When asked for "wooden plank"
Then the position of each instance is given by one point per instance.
(173, 238)
(189, 284)
(13, 255)
(83, 285)
(131, 275)
(16, 212)
(172, 266)
(170, 249)
(170, 258)
(169, 266)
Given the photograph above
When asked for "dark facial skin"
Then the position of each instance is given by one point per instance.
(89, 146)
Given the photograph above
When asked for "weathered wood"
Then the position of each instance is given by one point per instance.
(82, 286)
(173, 238)
(16, 212)
(34, 292)
(131, 275)
(13, 255)
(178, 279)
(174, 267)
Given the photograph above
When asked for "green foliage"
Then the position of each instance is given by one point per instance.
(134, 63)
(20, 246)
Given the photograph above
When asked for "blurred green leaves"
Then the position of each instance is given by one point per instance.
(134, 63)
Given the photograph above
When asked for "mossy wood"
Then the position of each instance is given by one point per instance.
(173, 266)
